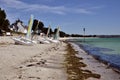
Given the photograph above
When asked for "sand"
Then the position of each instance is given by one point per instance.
(43, 62)
(37, 62)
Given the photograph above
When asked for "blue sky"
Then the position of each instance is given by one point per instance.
(97, 16)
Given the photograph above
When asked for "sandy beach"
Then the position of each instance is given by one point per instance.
(44, 62)
(37, 62)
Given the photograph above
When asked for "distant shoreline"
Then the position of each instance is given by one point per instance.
(100, 36)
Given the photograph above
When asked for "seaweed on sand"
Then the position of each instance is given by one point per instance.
(74, 66)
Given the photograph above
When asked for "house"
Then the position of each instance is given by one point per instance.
(18, 27)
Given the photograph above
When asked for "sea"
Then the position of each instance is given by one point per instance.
(106, 50)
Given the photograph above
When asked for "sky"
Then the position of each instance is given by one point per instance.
(98, 17)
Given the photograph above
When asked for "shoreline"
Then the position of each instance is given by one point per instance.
(96, 66)
(115, 67)
(75, 66)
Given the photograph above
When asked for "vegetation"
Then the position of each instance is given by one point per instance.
(38, 25)
(4, 23)
(18, 21)
(75, 66)
(101, 36)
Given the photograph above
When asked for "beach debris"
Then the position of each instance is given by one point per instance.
(20, 76)
(40, 63)
(34, 77)
(29, 65)
(74, 66)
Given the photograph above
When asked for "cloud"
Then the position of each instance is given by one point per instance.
(47, 9)
(16, 4)
(84, 11)
(62, 10)
(13, 4)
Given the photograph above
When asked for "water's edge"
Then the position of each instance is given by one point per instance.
(97, 57)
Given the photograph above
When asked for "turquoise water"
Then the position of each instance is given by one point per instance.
(105, 49)
(110, 43)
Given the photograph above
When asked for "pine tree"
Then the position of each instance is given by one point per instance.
(4, 23)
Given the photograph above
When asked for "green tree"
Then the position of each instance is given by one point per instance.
(55, 30)
(4, 23)
(44, 30)
(41, 25)
(62, 34)
(37, 25)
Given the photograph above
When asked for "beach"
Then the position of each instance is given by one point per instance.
(45, 62)
(37, 62)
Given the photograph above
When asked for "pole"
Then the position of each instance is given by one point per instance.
(48, 31)
(84, 34)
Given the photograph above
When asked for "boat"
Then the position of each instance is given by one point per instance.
(22, 41)
(44, 40)
(56, 37)
(52, 40)
(47, 40)
(26, 40)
